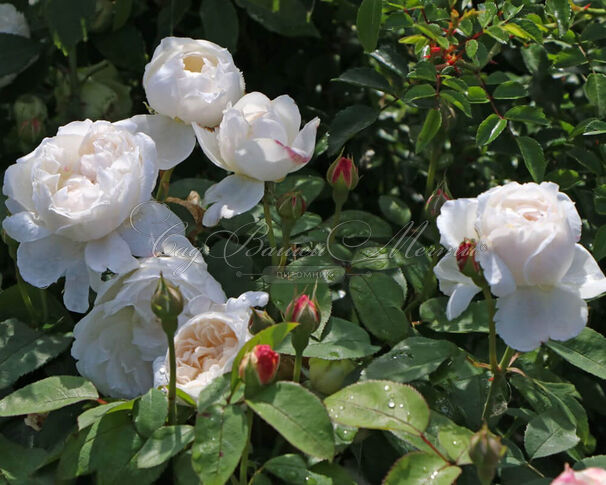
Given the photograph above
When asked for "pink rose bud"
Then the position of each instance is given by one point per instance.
(343, 174)
(262, 361)
(589, 476)
(466, 258)
(305, 311)
(291, 206)
(435, 202)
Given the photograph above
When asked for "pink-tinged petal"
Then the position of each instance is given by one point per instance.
(305, 142)
(296, 157)
(531, 315)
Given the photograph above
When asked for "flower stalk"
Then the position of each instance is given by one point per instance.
(267, 198)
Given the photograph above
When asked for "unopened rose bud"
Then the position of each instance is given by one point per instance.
(261, 362)
(291, 206)
(30, 117)
(589, 476)
(466, 258)
(305, 311)
(167, 304)
(435, 202)
(259, 320)
(327, 376)
(486, 451)
(342, 175)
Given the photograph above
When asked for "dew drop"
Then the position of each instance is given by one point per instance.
(387, 388)
(391, 404)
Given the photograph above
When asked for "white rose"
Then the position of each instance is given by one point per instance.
(192, 80)
(259, 140)
(11, 22)
(207, 344)
(527, 247)
(118, 341)
(81, 200)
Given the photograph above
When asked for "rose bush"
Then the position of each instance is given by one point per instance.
(380, 265)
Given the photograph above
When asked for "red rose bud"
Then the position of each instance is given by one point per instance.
(343, 174)
(304, 311)
(262, 362)
(486, 451)
(435, 202)
(466, 258)
(259, 320)
(291, 206)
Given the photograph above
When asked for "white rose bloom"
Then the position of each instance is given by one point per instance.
(259, 140)
(527, 245)
(118, 341)
(11, 22)
(192, 80)
(80, 202)
(207, 345)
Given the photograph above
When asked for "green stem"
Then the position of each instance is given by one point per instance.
(27, 301)
(270, 227)
(335, 221)
(507, 355)
(431, 172)
(44, 304)
(286, 230)
(296, 374)
(164, 185)
(245, 453)
(172, 383)
(492, 333)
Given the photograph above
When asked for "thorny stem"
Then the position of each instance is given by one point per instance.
(296, 374)
(270, 228)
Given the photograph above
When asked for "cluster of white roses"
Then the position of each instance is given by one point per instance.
(526, 243)
(81, 205)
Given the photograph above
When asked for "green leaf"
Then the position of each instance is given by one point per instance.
(431, 126)
(347, 123)
(92, 415)
(298, 415)
(18, 462)
(419, 468)
(293, 469)
(532, 152)
(561, 11)
(122, 11)
(474, 319)
(150, 411)
(599, 244)
(368, 23)
(527, 114)
(380, 405)
(68, 21)
(163, 444)
(23, 350)
(360, 224)
(309, 186)
(490, 129)
(509, 90)
(549, 433)
(389, 57)
(471, 47)
(434, 32)
(486, 15)
(16, 53)
(587, 351)
(290, 19)
(477, 95)
(498, 34)
(458, 100)
(341, 340)
(125, 47)
(378, 258)
(394, 209)
(419, 91)
(365, 77)
(220, 437)
(272, 336)
(220, 21)
(423, 70)
(378, 300)
(410, 359)
(595, 91)
(47, 395)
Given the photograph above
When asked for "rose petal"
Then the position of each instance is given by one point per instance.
(234, 195)
(585, 274)
(456, 222)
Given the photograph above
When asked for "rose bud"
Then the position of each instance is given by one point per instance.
(262, 362)
(589, 476)
(259, 320)
(435, 202)
(30, 116)
(291, 206)
(486, 451)
(327, 376)
(342, 175)
(304, 311)
(466, 258)
(167, 304)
